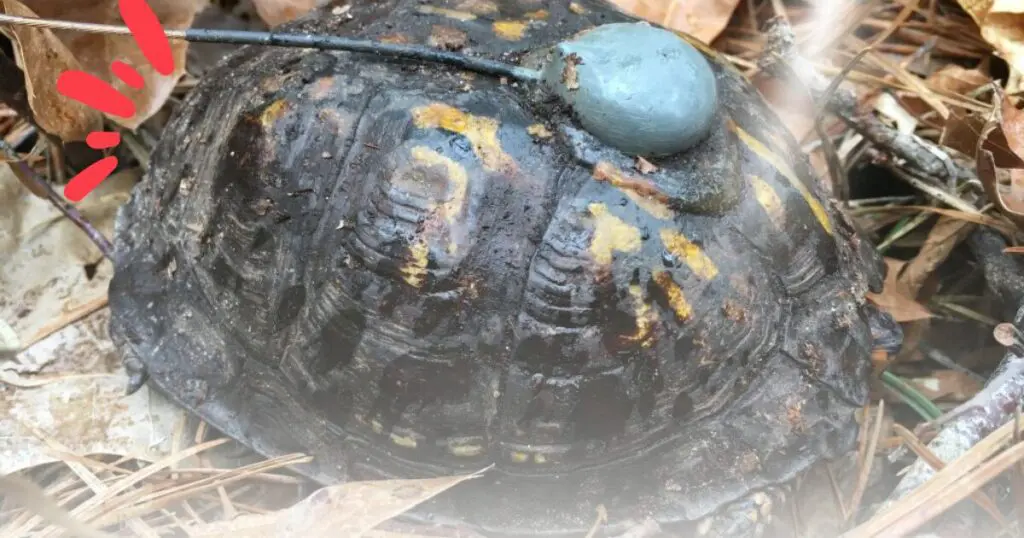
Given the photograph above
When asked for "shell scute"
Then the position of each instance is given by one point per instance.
(391, 270)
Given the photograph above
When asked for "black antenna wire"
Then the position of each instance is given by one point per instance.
(307, 41)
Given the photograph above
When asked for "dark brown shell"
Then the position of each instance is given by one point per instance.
(404, 271)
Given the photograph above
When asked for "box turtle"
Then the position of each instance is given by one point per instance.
(615, 280)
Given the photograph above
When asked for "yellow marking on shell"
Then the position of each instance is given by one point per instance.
(576, 8)
(403, 440)
(377, 426)
(479, 7)
(783, 167)
(768, 198)
(655, 208)
(273, 113)
(446, 37)
(519, 457)
(481, 131)
(465, 451)
(676, 298)
(538, 130)
(678, 244)
(611, 234)
(457, 176)
(450, 13)
(414, 271)
(509, 30)
(640, 191)
(646, 317)
(395, 39)
(539, 15)
(540, 458)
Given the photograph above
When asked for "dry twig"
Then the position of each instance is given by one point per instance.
(39, 185)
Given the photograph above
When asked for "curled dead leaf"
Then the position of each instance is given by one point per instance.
(951, 79)
(1009, 123)
(42, 56)
(93, 53)
(957, 80)
(942, 239)
(1002, 26)
(703, 19)
(1013, 128)
(962, 131)
(897, 298)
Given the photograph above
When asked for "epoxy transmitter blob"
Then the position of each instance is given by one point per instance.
(638, 88)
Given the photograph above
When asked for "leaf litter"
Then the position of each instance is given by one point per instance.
(52, 274)
(922, 105)
(55, 113)
(62, 380)
(47, 53)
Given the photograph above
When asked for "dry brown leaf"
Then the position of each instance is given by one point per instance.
(703, 19)
(942, 239)
(95, 52)
(350, 509)
(962, 130)
(277, 12)
(950, 79)
(1012, 127)
(43, 57)
(1002, 25)
(897, 298)
(957, 80)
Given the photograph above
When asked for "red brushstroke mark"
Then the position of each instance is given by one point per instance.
(90, 178)
(148, 34)
(128, 74)
(100, 95)
(89, 90)
(102, 139)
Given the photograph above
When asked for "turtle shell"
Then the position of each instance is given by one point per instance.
(407, 270)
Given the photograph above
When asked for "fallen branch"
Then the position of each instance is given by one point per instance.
(782, 60)
(986, 411)
(971, 421)
(42, 187)
(14, 95)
